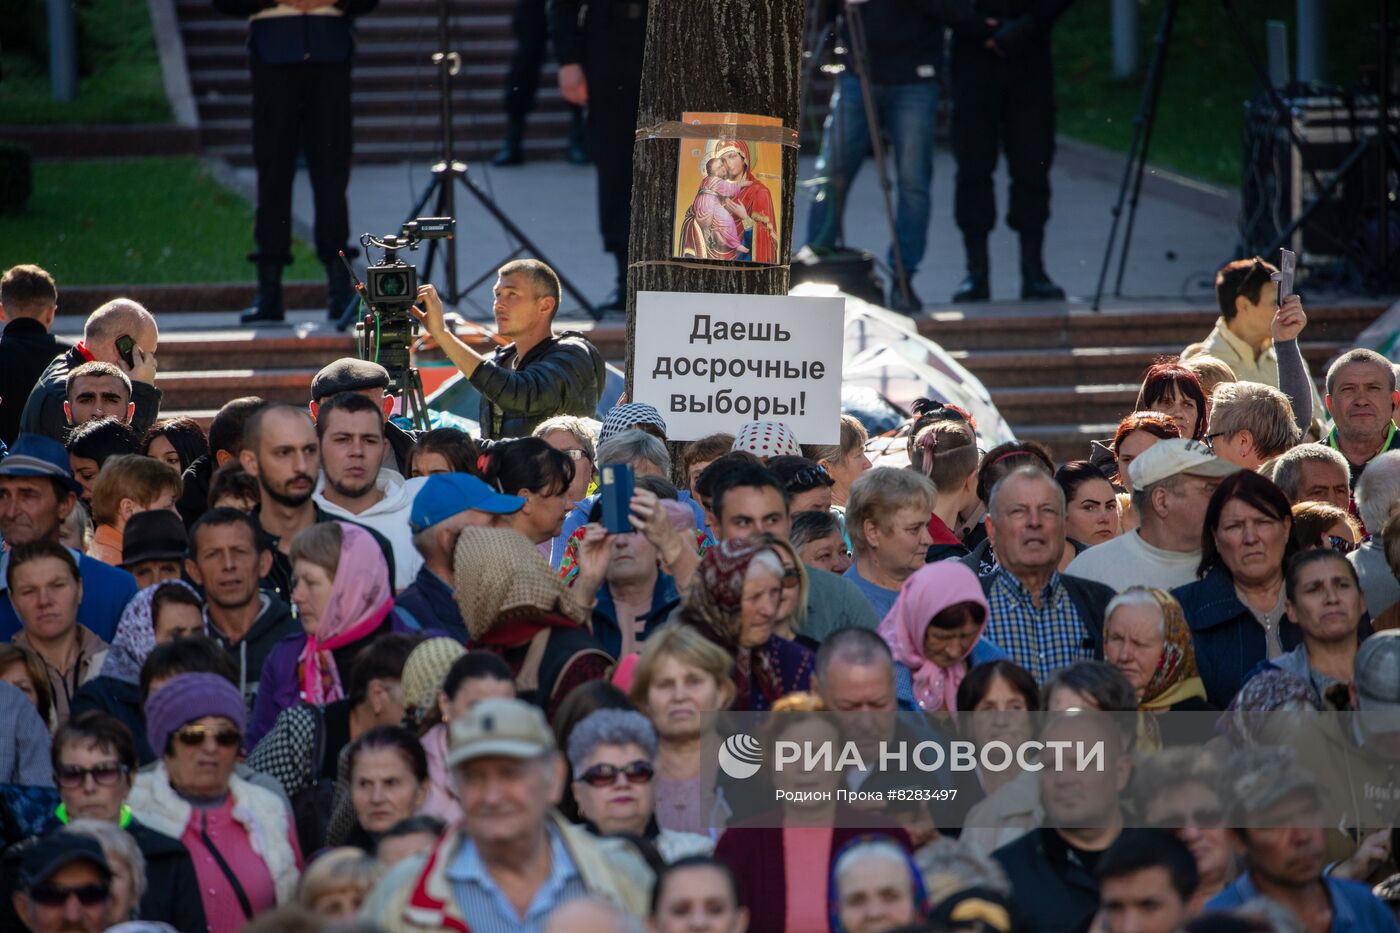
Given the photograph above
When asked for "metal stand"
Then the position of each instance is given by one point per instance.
(1375, 268)
(1137, 153)
(849, 14)
(448, 172)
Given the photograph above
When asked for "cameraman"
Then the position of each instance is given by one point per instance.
(902, 60)
(540, 374)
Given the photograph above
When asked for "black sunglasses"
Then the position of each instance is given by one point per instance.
(195, 736)
(51, 895)
(71, 776)
(791, 578)
(810, 477)
(1340, 545)
(638, 772)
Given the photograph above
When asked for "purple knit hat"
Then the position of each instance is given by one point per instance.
(188, 697)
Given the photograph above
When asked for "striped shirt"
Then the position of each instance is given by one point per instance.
(487, 910)
(1040, 639)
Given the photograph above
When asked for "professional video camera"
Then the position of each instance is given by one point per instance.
(390, 289)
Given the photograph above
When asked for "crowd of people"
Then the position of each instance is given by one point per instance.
(310, 668)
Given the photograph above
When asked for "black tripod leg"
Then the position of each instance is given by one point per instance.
(1137, 151)
(519, 235)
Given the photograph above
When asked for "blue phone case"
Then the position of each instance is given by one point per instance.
(618, 480)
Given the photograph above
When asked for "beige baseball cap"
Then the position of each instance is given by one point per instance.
(1175, 455)
(499, 728)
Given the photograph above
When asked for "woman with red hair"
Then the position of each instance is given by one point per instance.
(1135, 434)
(1172, 389)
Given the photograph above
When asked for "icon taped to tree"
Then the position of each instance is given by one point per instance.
(729, 190)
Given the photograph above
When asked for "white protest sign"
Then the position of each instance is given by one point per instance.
(711, 362)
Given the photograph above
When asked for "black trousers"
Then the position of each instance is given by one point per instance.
(1003, 106)
(531, 26)
(302, 107)
(613, 100)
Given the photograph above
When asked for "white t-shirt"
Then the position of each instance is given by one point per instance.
(1127, 560)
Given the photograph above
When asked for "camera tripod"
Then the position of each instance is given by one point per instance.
(826, 27)
(1375, 267)
(448, 172)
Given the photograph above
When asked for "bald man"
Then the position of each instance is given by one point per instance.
(105, 329)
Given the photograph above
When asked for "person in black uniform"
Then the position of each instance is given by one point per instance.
(600, 66)
(530, 23)
(299, 52)
(1003, 100)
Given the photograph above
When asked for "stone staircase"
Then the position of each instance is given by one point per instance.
(394, 83)
(1062, 377)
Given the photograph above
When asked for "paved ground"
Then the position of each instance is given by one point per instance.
(1183, 231)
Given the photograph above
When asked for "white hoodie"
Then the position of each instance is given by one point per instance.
(389, 517)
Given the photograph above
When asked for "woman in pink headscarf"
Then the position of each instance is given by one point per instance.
(343, 599)
(934, 630)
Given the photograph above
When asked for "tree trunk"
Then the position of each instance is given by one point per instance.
(709, 55)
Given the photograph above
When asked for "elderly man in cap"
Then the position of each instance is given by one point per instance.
(445, 504)
(37, 492)
(371, 380)
(154, 545)
(1274, 806)
(513, 859)
(1172, 484)
(65, 885)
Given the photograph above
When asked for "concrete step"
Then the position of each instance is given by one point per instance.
(1066, 442)
(390, 77)
(228, 105)
(1027, 326)
(1080, 365)
(1078, 404)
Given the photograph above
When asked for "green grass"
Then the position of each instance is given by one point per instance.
(120, 77)
(1200, 116)
(146, 221)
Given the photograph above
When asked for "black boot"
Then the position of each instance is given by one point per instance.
(578, 140)
(267, 306)
(974, 286)
(339, 292)
(513, 152)
(1035, 284)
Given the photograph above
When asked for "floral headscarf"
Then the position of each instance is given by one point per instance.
(1263, 693)
(1176, 677)
(916, 879)
(136, 635)
(715, 607)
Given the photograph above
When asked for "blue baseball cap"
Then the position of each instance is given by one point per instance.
(38, 455)
(444, 495)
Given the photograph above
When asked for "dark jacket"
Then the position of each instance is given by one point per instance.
(1044, 873)
(43, 411)
(428, 601)
(121, 699)
(106, 591)
(400, 441)
(564, 375)
(1022, 31)
(904, 38)
(194, 491)
(249, 654)
(664, 598)
(1090, 599)
(1228, 638)
(172, 890)
(570, 656)
(282, 40)
(755, 857)
(26, 350)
